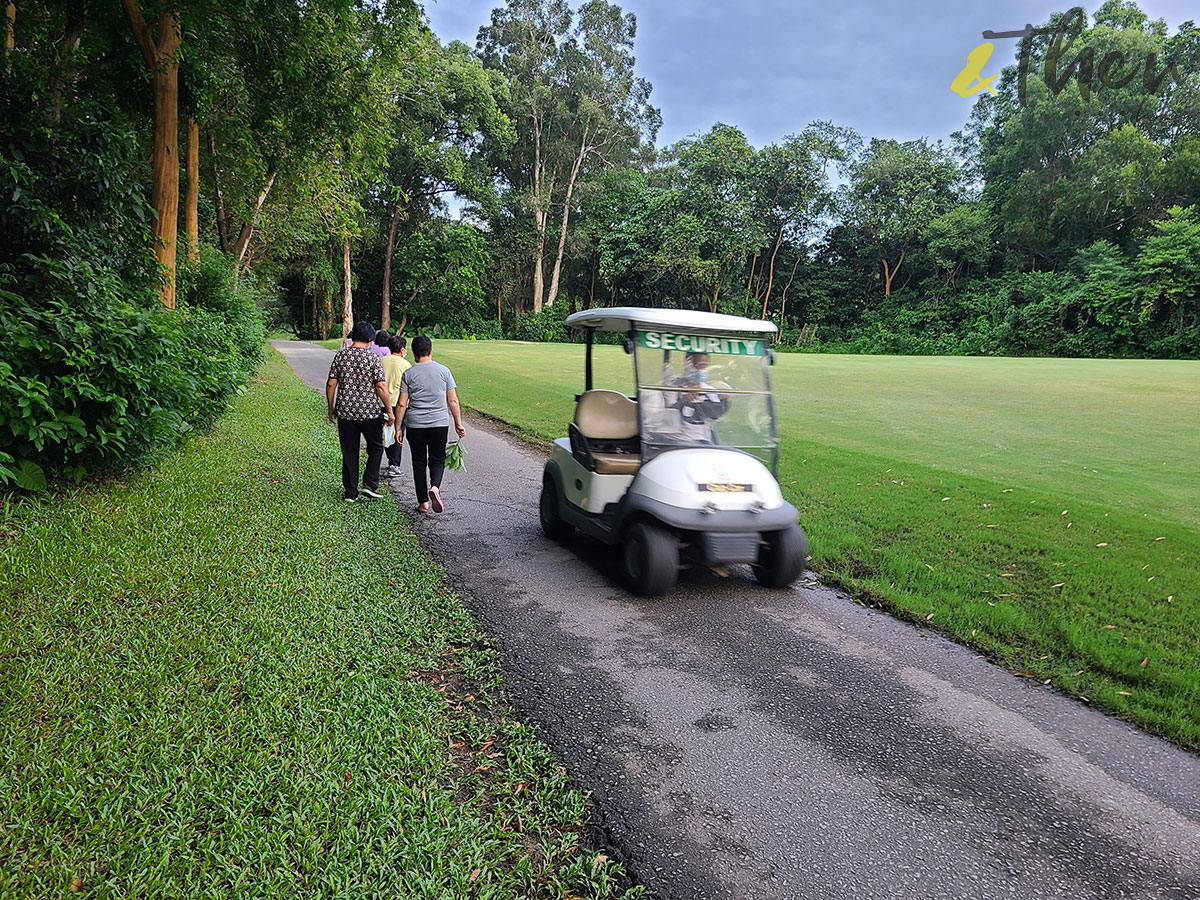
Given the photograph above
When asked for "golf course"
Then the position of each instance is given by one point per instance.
(1044, 511)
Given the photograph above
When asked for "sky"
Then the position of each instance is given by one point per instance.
(770, 67)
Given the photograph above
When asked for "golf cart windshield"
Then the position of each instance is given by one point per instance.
(700, 390)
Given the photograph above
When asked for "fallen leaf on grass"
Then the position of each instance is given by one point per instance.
(600, 860)
(1102, 544)
(474, 874)
(928, 617)
(1060, 584)
(1109, 627)
(1124, 693)
(75, 886)
(1144, 661)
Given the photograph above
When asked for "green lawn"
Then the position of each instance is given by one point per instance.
(1046, 511)
(221, 680)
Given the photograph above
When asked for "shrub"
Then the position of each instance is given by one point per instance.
(93, 371)
(547, 326)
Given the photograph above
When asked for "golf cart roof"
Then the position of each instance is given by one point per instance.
(623, 318)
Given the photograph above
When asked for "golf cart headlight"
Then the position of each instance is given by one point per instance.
(757, 506)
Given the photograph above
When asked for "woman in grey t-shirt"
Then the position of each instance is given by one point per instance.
(427, 402)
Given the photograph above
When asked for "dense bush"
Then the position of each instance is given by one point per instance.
(93, 371)
(548, 325)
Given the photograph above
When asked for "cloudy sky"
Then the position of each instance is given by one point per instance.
(772, 66)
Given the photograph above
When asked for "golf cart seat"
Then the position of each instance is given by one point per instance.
(604, 435)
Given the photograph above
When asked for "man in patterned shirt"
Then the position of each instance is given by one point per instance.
(356, 391)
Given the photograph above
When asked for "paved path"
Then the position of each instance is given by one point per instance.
(742, 743)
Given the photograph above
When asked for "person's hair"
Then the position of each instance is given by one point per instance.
(382, 338)
(397, 343)
(362, 332)
(422, 346)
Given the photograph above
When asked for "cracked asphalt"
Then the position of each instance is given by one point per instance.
(741, 742)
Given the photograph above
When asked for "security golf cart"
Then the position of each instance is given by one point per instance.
(682, 472)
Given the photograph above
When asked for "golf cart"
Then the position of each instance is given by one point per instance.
(684, 470)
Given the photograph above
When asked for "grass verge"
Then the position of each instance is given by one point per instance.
(952, 493)
(219, 679)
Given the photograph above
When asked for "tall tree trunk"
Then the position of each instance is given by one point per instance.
(10, 33)
(712, 306)
(562, 235)
(783, 299)
(161, 53)
(592, 290)
(753, 263)
(539, 217)
(385, 319)
(771, 275)
(64, 72)
(539, 277)
(191, 198)
(222, 215)
(243, 241)
(347, 299)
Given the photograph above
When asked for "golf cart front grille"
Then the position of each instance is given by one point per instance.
(729, 547)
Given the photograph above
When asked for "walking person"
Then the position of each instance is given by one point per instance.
(355, 391)
(395, 364)
(428, 400)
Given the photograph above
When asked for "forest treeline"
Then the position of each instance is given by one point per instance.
(177, 175)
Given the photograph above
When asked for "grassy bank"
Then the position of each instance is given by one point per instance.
(219, 679)
(1045, 511)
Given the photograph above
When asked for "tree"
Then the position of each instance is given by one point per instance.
(896, 190)
(450, 123)
(576, 104)
(159, 42)
(1170, 264)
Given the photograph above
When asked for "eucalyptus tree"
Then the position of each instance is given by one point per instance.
(578, 107)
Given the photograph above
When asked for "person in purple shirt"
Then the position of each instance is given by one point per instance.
(380, 347)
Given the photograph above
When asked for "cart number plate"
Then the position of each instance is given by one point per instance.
(722, 487)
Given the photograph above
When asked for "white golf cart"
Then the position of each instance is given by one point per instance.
(684, 470)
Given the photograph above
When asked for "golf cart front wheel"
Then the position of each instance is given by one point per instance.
(782, 557)
(553, 524)
(651, 559)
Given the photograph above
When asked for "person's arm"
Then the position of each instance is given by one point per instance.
(386, 399)
(401, 406)
(330, 394)
(455, 411)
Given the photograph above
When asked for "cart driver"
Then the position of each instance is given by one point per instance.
(700, 406)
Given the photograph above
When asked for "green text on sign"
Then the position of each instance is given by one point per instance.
(699, 343)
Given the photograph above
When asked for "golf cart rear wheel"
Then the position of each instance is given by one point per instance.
(781, 558)
(651, 559)
(553, 524)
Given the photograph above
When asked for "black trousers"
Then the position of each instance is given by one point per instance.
(349, 432)
(428, 447)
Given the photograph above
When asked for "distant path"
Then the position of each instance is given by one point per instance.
(744, 743)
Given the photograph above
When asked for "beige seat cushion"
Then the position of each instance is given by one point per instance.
(607, 416)
(616, 463)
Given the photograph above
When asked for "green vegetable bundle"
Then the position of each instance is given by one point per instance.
(455, 457)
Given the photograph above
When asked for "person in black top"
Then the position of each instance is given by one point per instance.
(356, 391)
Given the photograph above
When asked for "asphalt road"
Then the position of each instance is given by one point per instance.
(741, 742)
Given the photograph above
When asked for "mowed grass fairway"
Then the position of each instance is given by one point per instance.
(1046, 511)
